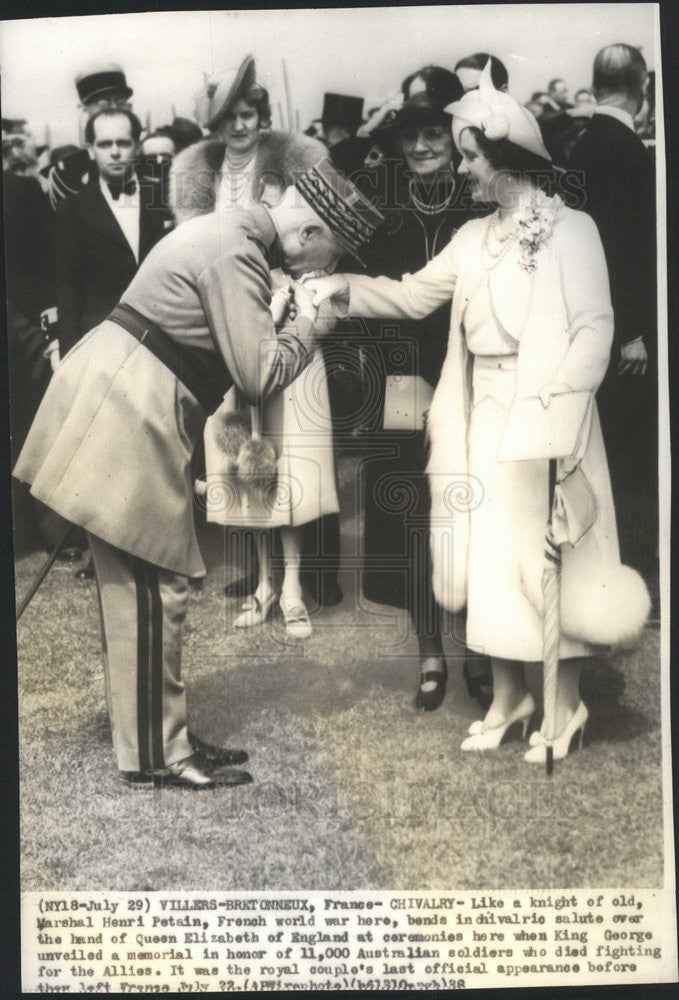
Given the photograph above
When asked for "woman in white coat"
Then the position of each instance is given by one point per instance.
(531, 316)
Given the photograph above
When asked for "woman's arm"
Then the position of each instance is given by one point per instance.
(412, 297)
(584, 278)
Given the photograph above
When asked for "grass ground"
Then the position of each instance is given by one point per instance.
(353, 788)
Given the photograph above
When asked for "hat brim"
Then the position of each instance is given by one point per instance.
(419, 117)
(243, 80)
(96, 95)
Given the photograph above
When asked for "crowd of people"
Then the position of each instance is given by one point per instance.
(213, 306)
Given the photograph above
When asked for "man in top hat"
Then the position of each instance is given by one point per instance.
(111, 446)
(342, 116)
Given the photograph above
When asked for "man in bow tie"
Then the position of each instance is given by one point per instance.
(105, 230)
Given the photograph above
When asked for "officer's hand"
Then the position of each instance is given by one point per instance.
(303, 301)
(280, 305)
(633, 358)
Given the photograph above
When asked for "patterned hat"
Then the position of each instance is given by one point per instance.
(351, 218)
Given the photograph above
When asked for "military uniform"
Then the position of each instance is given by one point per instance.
(111, 445)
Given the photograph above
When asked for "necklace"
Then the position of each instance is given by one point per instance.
(430, 208)
(493, 257)
(236, 163)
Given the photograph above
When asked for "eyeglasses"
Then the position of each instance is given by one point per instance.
(431, 135)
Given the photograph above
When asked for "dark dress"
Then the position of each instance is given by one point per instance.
(397, 562)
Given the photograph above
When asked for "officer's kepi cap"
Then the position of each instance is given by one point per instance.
(349, 215)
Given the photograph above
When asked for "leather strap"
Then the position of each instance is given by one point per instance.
(203, 372)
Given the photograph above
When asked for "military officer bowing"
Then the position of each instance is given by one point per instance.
(110, 448)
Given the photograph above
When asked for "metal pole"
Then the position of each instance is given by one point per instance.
(288, 98)
(47, 565)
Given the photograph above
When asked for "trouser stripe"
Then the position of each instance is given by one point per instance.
(156, 696)
(143, 621)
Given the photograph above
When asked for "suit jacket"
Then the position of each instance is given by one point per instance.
(29, 276)
(619, 187)
(95, 263)
(110, 448)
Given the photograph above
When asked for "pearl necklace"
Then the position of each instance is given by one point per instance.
(493, 257)
(430, 209)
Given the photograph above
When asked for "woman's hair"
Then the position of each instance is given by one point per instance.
(504, 155)
(258, 98)
(498, 71)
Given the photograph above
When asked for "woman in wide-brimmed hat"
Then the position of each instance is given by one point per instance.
(426, 204)
(531, 317)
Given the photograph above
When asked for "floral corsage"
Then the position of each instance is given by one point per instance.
(535, 220)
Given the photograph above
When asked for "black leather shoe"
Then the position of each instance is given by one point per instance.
(218, 756)
(86, 572)
(479, 681)
(242, 587)
(190, 773)
(432, 698)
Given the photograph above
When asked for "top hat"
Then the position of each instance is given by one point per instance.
(230, 88)
(339, 109)
(94, 84)
(349, 215)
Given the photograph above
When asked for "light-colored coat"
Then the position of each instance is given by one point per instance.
(562, 317)
(110, 448)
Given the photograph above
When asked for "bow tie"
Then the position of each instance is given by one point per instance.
(117, 189)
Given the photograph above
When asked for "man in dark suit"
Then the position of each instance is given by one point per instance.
(616, 172)
(105, 231)
(31, 296)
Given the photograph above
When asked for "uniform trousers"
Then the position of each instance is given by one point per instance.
(142, 609)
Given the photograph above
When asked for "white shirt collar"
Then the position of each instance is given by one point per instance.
(127, 220)
(618, 113)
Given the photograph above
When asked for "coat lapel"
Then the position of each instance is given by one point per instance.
(101, 218)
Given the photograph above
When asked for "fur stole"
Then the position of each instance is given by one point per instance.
(196, 170)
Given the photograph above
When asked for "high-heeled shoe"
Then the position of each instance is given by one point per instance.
(561, 745)
(485, 737)
(296, 619)
(431, 699)
(255, 612)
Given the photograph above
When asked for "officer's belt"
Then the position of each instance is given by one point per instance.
(203, 372)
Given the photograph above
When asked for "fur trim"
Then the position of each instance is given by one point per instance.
(196, 170)
(256, 466)
(448, 540)
(231, 431)
(606, 606)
